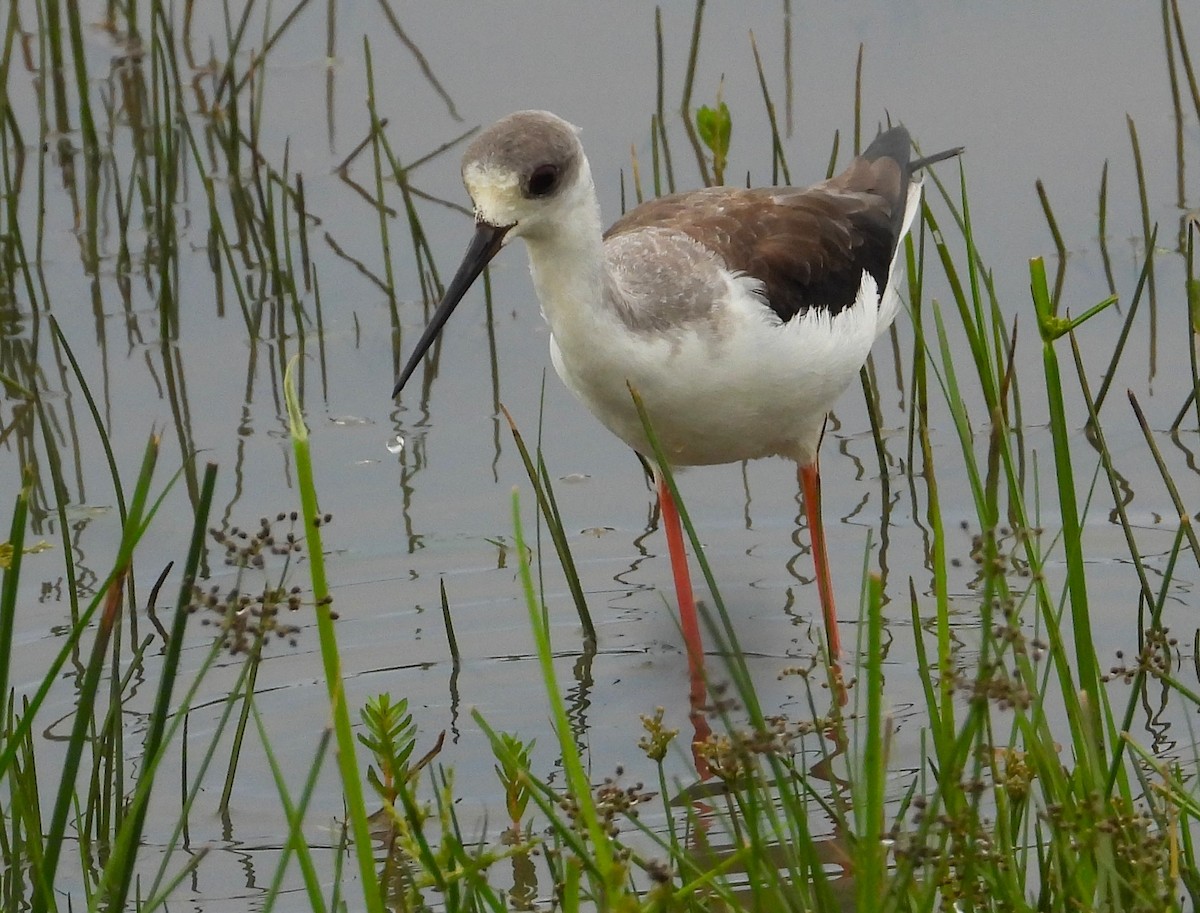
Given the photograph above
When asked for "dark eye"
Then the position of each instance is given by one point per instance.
(543, 180)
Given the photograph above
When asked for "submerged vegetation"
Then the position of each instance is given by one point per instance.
(1029, 788)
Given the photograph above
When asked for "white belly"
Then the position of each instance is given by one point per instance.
(740, 388)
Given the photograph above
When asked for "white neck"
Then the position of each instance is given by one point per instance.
(566, 259)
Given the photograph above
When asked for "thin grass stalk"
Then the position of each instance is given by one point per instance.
(10, 34)
(1060, 246)
(1116, 773)
(1185, 57)
(941, 711)
(377, 159)
(778, 158)
(448, 623)
(569, 568)
(1102, 229)
(871, 864)
(635, 176)
(870, 389)
(45, 69)
(1177, 113)
(187, 871)
(1147, 233)
(660, 119)
(178, 729)
(831, 167)
(918, 384)
(8, 590)
(541, 487)
(233, 44)
(14, 156)
(119, 869)
(356, 810)
(287, 280)
(1111, 474)
(269, 42)
(655, 161)
(1127, 325)
(858, 83)
(1085, 650)
(87, 123)
(1172, 489)
(26, 811)
(18, 731)
(97, 421)
(270, 225)
(112, 789)
(982, 280)
(50, 31)
(685, 105)
(56, 833)
(1037, 732)
(609, 872)
(61, 499)
(294, 812)
(426, 264)
(1192, 286)
(164, 229)
(970, 325)
(246, 691)
(1116, 768)
(978, 280)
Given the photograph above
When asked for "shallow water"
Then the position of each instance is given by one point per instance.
(1040, 94)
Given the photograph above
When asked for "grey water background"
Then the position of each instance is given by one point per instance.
(1031, 90)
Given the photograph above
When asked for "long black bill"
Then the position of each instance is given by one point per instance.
(484, 246)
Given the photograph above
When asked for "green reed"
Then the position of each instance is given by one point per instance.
(1032, 792)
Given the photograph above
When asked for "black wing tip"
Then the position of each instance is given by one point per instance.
(896, 144)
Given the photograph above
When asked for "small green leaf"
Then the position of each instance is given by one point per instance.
(715, 126)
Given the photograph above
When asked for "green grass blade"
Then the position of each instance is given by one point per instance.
(330, 658)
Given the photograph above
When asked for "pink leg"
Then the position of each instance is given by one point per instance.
(689, 623)
(810, 483)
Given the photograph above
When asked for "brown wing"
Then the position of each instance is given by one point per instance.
(809, 246)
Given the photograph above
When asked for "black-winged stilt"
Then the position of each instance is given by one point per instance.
(739, 316)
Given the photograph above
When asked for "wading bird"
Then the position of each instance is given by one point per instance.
(738, 316)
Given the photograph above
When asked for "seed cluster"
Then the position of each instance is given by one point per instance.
(1011, 634)
(1154, 659)
(1007, 546)
(1137, 846)
(732, 757)
(965, 854)
(611, 801)
(247, 621)
(995, 684)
